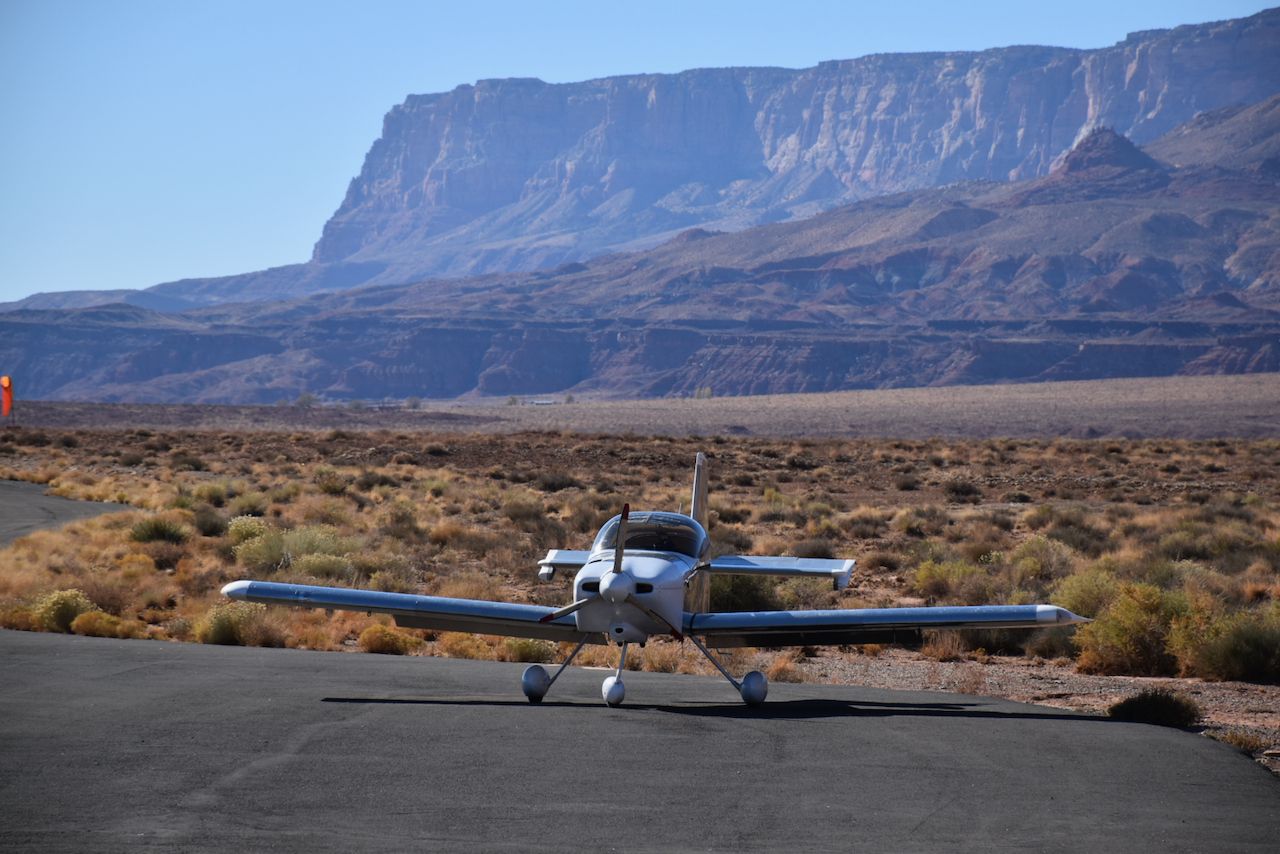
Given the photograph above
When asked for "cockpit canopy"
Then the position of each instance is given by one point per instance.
(654, 531)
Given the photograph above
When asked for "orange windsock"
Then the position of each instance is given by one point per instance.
(6, 396)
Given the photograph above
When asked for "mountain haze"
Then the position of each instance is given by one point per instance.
(1116, 263)
(518, 174)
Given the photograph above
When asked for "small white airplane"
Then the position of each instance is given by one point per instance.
(647, 574)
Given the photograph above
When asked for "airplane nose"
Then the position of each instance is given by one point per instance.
(615, 587)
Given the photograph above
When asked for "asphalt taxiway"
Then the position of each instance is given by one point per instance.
(115, 745)
(24, 507)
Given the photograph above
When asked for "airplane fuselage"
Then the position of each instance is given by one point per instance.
(656, 579)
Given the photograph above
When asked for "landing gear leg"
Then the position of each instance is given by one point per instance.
(535, 682)
(754, 687)
(613, 690)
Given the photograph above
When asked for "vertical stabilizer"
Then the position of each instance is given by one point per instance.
(698, 504)
(698, 589)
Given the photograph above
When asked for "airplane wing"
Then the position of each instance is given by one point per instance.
(417, 612)
(838, 571)
(864, 625)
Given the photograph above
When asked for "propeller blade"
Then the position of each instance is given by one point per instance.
(563, 612)
(622, 538)
(655, 616)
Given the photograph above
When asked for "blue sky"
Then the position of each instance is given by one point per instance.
(150, 141)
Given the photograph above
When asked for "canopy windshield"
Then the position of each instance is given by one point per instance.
(656, 532)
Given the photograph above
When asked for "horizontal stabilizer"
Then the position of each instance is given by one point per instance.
(561, 559)
(837, 571)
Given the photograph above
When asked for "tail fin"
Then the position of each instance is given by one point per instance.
(698, 505)
(697, 597)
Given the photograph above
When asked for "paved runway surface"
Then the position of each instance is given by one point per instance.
(25, 508)
(126, 745)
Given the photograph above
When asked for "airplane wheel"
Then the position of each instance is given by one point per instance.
(535, 682)
(755, 687)
(614, 691)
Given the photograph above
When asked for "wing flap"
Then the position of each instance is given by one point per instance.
(864, 625)
(417, 612)
(837, 571)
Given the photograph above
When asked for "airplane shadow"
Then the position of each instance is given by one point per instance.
(772, 710)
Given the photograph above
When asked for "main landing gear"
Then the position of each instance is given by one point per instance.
(535, 682)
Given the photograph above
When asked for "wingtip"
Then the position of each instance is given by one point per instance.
(237, 589)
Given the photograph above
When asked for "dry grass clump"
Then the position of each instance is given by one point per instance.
(785, 668)
(160, 528)
(98, 624)
(385, 640)
(460, 645)
(529, 650)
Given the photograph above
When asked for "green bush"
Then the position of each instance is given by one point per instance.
(238, 624)
(953, 581)
(1220, 646)
(57, 611)
(386, 640)
(1157, 706)
(1086, 593)
(1131, 636)
(529, 650)
(156, 528)
(214, 492)
(316, 539)
(742, 593)
(330, 481)
(209, 522)
(249, 504)
(244, 528)
(263, 553)
(324, 566)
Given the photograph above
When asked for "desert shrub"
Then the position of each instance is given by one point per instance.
(469, 585)
(209, 522)
(263, 553)
(783, 669)
(58, 610)
(1050, 643)
(390, 582)
(1079, 535)
(237, 624)
(805, 594)
(214, 492)
(525, 510)
(183, 461)
(163, 554)
(1131, 636)
(385, 640)
(316, 539)
(1242, 740)
(323, 566)
(529, 650)
(964, 491)
(155, 528)
(661, 657)
(97, 624)
(108, 591)
(952, 580)
(944, 646)
(1086, 593)
(866, 523)
(1041, 559)
(1157, 706)
(731, 514)
(742, 593)
(249, 504)
(919, 521)
(244, 528)
(554, 481)
(19, 618)
(815, 547)
(461, 645)
(455, 535)
(906, 483)
(330, 481)
(368, 479)
(402, 523)
(1230, 646)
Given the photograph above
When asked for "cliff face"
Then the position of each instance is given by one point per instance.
(520, 174)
